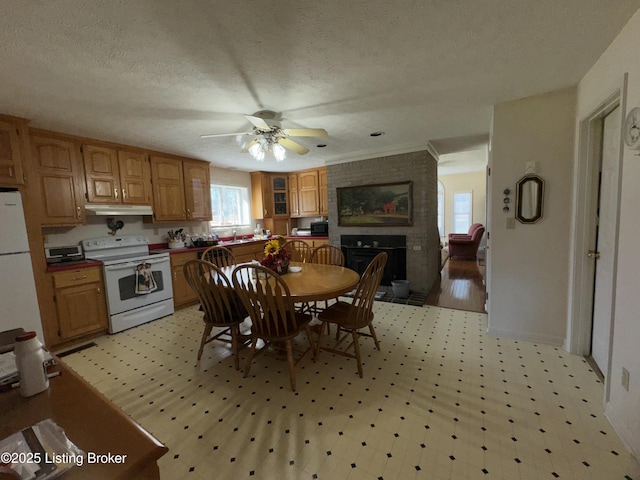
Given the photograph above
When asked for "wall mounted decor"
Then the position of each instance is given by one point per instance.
(632, 129)
(380, 205)
(506, 200)
(529, 199)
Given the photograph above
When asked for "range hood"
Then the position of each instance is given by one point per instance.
(118, 209)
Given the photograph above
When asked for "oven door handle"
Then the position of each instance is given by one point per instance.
(130, 265)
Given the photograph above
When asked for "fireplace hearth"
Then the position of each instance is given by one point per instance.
(359, 250)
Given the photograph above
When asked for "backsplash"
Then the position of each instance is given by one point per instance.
(133, 225)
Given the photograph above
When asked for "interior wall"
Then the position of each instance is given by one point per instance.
(423, 242)
(603, 78)
(476, 182)
(530, 263)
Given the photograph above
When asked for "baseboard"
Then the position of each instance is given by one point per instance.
(528, 336)
(631, 440)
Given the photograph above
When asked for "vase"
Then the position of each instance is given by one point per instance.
(284, 268)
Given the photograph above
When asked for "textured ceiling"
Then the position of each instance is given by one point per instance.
(159, 74)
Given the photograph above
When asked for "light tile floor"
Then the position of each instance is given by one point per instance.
(442, 400)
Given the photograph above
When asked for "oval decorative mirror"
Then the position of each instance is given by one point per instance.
(529, 199)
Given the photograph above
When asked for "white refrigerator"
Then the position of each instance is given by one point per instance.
(18, 299)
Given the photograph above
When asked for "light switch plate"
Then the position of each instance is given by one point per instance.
(529, 167)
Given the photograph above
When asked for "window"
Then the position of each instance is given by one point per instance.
(440, 208)
(229, 206)
(462, 202)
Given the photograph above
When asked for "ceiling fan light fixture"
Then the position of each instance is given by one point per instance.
(255, 149)
(279, 152)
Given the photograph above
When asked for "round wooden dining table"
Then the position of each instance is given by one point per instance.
(315, 281)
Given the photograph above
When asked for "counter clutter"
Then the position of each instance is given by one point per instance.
(177, 239)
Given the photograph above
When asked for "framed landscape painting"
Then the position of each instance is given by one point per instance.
(380, 205)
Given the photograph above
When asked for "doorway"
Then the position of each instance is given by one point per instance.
(602, 255)
(595, 231)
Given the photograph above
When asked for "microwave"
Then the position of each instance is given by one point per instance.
(319, 229)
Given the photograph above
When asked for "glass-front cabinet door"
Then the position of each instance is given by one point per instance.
(280, 203)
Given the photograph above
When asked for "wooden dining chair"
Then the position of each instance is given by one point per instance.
(300, 250)
(219, 302)
(351, 318)
(327, 255)
(273, 316)
(219, 255)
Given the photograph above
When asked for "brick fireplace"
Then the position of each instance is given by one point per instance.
(359, 250)
(422, 241)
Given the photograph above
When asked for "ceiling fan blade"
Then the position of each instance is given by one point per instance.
(225, 134)
(258, 122)
(246, 149)
(306, 132)
(291, 145)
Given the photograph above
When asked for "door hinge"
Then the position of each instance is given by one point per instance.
(486, 295)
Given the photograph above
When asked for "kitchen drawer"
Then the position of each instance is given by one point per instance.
(71, 278)
(179, 259)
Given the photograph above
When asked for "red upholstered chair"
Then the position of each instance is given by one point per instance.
(466, 246)
(467, 235)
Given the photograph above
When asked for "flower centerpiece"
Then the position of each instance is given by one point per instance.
(276, 255)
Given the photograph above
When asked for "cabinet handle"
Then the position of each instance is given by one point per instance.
(78, 278)
(78, 212)
(124, 194)
(98, 290)
(188, 213)
(174, 276)
(115, 191)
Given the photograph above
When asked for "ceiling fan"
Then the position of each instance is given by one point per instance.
(270, 137)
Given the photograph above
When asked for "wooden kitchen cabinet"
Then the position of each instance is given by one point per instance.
(181, 190)
(261, 195)
(248, 252)
(10, 158)
(294, 203)
(308, 187)
(116, 176)
(308, 193)
(183, 295)
(324, 192)
(197, 190)
(270, 201)
(59, 180)
(81, 306)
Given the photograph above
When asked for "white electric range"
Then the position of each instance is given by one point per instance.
(138, 283)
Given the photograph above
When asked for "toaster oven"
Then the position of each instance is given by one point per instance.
(63, 254)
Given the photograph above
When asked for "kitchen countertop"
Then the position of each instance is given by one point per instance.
(74, 265)
(305, 237)
(160, 248)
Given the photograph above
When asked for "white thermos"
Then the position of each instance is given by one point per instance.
(30, 362)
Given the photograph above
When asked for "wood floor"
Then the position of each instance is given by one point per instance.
(460, 286)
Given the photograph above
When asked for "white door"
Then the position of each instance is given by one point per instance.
(605, 242)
